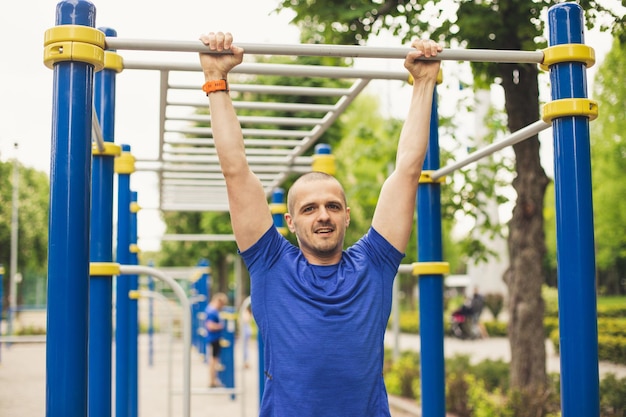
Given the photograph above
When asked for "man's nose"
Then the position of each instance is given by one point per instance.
(323, 213)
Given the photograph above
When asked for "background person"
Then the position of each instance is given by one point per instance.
(214, 325)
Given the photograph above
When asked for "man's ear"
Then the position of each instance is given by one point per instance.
(289, 221)
(347, 216)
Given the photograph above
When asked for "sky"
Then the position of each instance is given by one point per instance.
(26, 84)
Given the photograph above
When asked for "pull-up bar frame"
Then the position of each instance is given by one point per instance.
(68, 265)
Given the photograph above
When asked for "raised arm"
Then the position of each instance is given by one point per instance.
(249, 211)
(393, 217)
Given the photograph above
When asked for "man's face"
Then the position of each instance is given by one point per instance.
(319, 220)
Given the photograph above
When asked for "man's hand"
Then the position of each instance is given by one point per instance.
(420, 68)
(217, 66)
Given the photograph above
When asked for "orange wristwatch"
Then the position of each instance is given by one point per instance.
(215, 85)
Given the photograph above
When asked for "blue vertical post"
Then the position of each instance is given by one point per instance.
(133, 314)
(124, 167)
(101, 248)
(431, 286)
(574, 226)
(201, 290)
(68, 243)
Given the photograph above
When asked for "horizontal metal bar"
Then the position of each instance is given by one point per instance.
(244, 120)
(345, 51)
(213, 159)
(198, 238)
(259, 133)
(194, 207)
(253, 105)
(185, 150)
(519, 136)
(275, 89)
(275, 69)
(247, 142)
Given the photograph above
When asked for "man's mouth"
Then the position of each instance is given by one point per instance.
(324, 230)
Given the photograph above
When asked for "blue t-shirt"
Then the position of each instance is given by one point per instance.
(212, 315)
(323, 327)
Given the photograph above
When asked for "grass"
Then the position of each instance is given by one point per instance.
(612, 300)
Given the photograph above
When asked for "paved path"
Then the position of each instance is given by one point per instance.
(22, 378)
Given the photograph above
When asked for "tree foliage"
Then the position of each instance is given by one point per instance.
(504, 24)
(608, 152)
(33, 197)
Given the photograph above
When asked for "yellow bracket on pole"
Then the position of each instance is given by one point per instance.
(278, 208)
(74, 43)
(425, 178)
(104, 269)
(110, 149)
(124, 163)
(431, 268)
(572, 52)
(570, 107)
(324, 163)
(113, 61)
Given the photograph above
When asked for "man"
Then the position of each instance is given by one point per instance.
(214, 325)
(322, 311)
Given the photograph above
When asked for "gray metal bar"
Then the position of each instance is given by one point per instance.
(247, 142)
(186, 324)
(275, 69)
(522, 134)
(259, 133)
(345, 51)
(253, 105)
(274, 89)
(282, 121)
(199, 237)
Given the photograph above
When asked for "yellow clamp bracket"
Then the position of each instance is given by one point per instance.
(135, 207)
(125, 163)
(199, 272)
(410, 80)
(134, 295)
(282, 230)
(278, 208)
(224, 343)
(110, 149)
(1, 270)
(324, 163)
(431, 268)
(228, 316)
(113, 61)
(570, 107)
(571, 52)
(425, 178)
(74, 43)
(103, 269)
(134, 248)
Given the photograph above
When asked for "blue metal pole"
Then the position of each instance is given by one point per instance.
(122, 389)
(133, 314)
(68, 242)
(574, 227)
(431, 286)
(201, 287)
(101, 250)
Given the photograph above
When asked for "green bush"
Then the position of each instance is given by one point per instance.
(496, 328)
(402, 377)
(494, 303)
(612, 396)
(612, 311)
(612, 349)
(494, 374)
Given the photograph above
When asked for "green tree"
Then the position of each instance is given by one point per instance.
(34, 192)
(508, 25)
(608, 153)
